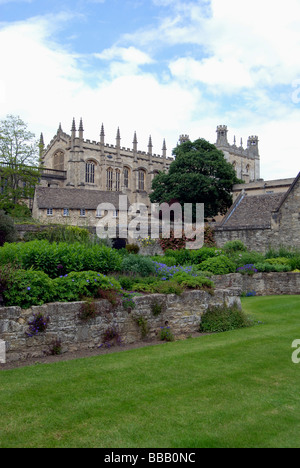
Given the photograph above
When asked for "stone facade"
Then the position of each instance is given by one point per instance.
(72, 162)
(95, 165)
(263, 284)
(181, 313)
(263, 221)
(246, 161)
(262, 187)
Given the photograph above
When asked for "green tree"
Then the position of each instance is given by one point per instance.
(199, 174)
(19, 160)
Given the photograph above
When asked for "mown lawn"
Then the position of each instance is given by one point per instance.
(234, 389)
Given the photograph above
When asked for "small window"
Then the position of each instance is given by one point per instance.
(49, 212)
(115, 213)
(66, 212)
(82, 212)
(99, 214)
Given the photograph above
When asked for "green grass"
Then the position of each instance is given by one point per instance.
(234, 389)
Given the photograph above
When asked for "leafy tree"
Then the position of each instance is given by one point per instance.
(19, 161)
(199, 174)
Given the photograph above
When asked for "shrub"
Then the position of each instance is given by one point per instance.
(278, 261)
(69, 234)
(28, 288)
(78, 285)
(8, 232)
(134, 264)
(199, 256)
(223, 318)
(15, 210)
(166, 334)
(159, 287)
(247, 258)
(57, 259)
(221, 265)
(234, 246)
(268, 267)
(194, 282)
(295, 263)
(132, 248)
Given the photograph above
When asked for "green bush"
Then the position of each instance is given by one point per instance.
(271, 267)
(223, 318)
(190, 257)
(138, 265)
(295, 263)
(282, 251)
(221, 265)
(159, 287)
(18, 211)
(28, 288)
(78, 285)
(278, 261)
(234, 246)
(8, 232)
(193, 282)
(132, 248)
(60, 259)
(69, 234)
(247, 258)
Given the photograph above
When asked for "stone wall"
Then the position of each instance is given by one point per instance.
(258, 239)
(181, 313)
(264, 284)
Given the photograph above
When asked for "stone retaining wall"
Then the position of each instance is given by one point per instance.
(181, 313)
(263, 284)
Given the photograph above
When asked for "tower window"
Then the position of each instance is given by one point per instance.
(126, 177)
(109, 182)
(141, 180)
(90, 173)
(118, 180)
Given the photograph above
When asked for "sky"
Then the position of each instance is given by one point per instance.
(157, 67)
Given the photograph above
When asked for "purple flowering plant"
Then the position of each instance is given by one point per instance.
(248, 269)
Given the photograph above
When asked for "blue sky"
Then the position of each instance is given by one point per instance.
(157, 67)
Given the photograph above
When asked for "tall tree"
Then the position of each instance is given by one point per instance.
(199, 174)
(19, 160)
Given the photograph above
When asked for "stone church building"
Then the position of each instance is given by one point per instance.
(79, 174)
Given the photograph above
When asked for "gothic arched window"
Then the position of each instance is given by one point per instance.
(118, 180)
(141, 179)
(126, 177)
(109, 179)
(59, 161)
(90, 172)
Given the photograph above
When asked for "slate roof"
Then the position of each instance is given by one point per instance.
(252, 211)
(74, 199)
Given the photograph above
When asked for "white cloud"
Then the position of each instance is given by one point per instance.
(130, 54)
(245, 54)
